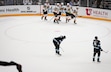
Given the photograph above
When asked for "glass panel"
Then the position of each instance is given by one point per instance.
(103, 4)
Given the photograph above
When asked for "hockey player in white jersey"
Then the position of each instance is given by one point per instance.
(62, 7)
(61, 10)
(74, 15)
(70, 13)
(57, 13)
(45, 11)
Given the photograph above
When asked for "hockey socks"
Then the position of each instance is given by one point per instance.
(45, 17)
(93, 59)
(75, 22)
(67, 20)
(59, 19)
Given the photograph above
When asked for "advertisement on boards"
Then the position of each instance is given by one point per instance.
(25, 9)
(98, 12)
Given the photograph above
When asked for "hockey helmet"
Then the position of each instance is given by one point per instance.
(62, 3)
(96, 37)
(68, 4)
(57, 3)
(64, 37)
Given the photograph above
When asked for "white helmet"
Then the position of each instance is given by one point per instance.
(67, 3)
(62, 3)
(57, 3)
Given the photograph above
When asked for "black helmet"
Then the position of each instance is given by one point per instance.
(64, 37)
(96, 37)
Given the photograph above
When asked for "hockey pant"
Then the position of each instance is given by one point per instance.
(97, 51)
(56, 47)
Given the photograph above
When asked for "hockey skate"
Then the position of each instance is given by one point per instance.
(93, 59)
(54, 21)
(58, 53)
(45, 19)
(75, 23)
(98, 60)
(59, 20)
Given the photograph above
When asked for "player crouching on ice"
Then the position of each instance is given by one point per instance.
(97, 49)
(57, 41)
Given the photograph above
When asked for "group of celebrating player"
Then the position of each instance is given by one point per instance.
(58, 10)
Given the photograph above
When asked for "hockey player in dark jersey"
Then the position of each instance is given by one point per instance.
(97, 49)
(57, 41)
(12, 63)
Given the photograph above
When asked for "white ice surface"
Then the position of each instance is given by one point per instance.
(28, 41)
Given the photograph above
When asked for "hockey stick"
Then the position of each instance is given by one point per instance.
(105, 51)
(51, 18)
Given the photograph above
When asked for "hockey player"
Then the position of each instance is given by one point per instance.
(45, 12)
(57, 41)
(74, 15)
(70, 13)
(62, 7)
(61, 10)
(18, 66)
(97, 49)
(57, 13)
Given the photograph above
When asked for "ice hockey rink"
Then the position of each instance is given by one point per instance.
(28, 40)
